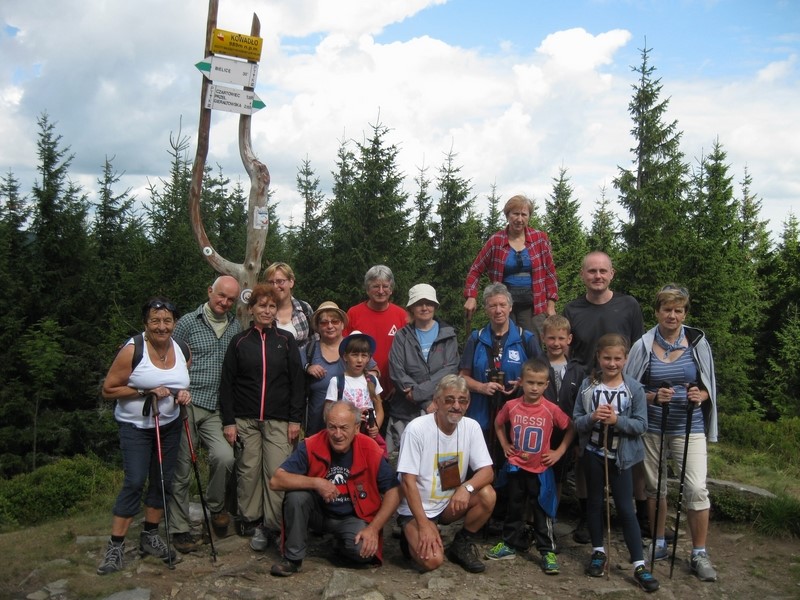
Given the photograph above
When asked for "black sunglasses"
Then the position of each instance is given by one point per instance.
(159, 305)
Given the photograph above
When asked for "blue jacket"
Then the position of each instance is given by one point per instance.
(631, 424)
(515, 353)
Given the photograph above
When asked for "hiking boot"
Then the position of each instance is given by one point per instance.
(581, 533)
(220, 522)
(286, 567)
(702, 567)
(151, 543)
(597, 566)
(549, 563)
(113, 560)
(404, 544)
(500, 552)
(463, 552)
(662, 552)
(262, 539)
(246, 528)
(645, 579)
(185, 542)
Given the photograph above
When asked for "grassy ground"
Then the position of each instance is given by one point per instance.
(760, 469)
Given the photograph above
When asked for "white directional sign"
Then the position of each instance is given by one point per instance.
(229, 70)
(232, 100)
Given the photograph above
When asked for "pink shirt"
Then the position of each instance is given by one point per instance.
(531, 428)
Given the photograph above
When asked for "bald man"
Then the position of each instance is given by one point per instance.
(207, 331)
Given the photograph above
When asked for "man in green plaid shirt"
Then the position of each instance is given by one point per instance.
(208, 331)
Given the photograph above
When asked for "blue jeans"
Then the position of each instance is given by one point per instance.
(140, 465)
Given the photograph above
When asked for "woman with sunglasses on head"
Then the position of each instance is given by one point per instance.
(519, 257)
(675, 364)
(323, 361)
(293, 315)
(149, 378)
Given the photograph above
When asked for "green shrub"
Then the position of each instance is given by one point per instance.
(779, 439)
(54, 490)
(775, 517)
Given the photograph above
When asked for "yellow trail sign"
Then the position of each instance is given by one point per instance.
(236, 44)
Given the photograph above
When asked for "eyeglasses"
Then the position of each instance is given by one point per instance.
(451, 400)
(159, 305)
(326, 322)
(277, 281)
(674, 288)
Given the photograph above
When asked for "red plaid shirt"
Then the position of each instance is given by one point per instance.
(492, 259)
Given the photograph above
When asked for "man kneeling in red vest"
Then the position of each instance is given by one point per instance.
(337, 481)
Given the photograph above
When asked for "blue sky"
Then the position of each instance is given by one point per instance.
(517, 89)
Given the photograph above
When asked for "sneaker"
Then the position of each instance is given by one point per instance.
(645, 579)
(286, 567)
(151, 543)
(185, 542)
(597, 566)
(261, 540)
(702, 567)
(112, 561)
(662, 552)
(500, 552)
(246, 528)
(549, 563)
(462, 552)
(581, 533)
(220, 522)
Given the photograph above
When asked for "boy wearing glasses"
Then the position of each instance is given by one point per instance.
(436, 452)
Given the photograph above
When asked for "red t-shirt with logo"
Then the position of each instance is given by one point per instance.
(382, 326)
(531, 427)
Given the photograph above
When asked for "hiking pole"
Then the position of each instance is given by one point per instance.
(689, 411)
(608, 499)
(185, 417)
(153, 400)
(664, 415)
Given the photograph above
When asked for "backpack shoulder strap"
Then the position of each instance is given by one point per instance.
(340, 387)
(187, 354)
(138, 350)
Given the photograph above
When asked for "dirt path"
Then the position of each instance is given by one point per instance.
(749, 566)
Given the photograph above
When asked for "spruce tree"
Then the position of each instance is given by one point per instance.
(456, 237)
(604, 232)
(722, 294)
(567, 238)
(422, 250)
(653, 191)
(494, 219)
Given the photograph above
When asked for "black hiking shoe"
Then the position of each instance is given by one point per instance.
(151, 543)
(113, 560)
(463, 552)
(286, 567)
(597, 566)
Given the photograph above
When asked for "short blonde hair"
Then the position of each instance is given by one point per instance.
(517, 202)
(556, 322)
(269, 272)
(673, 293)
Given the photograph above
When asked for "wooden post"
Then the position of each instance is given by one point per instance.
(246, 272)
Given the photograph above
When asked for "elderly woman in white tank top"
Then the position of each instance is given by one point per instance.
(148, 374)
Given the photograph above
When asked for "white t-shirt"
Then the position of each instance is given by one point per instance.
(355, 391)
(420, 456)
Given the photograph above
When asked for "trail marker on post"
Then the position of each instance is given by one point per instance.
(228, 70)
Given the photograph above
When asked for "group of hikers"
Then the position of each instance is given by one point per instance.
(307, 407)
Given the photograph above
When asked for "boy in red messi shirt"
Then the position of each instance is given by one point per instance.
(531, 419)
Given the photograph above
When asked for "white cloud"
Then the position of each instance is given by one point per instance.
(777, 70)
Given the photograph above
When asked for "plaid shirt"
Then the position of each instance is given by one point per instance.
(208, 351)
(301, 317)
(492, 260)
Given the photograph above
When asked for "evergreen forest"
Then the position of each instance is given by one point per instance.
(74, 273)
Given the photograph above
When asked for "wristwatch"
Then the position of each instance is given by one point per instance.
(141, 392)
(469, 488)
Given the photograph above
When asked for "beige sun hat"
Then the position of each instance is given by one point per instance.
(421, 291)
(327, 306)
